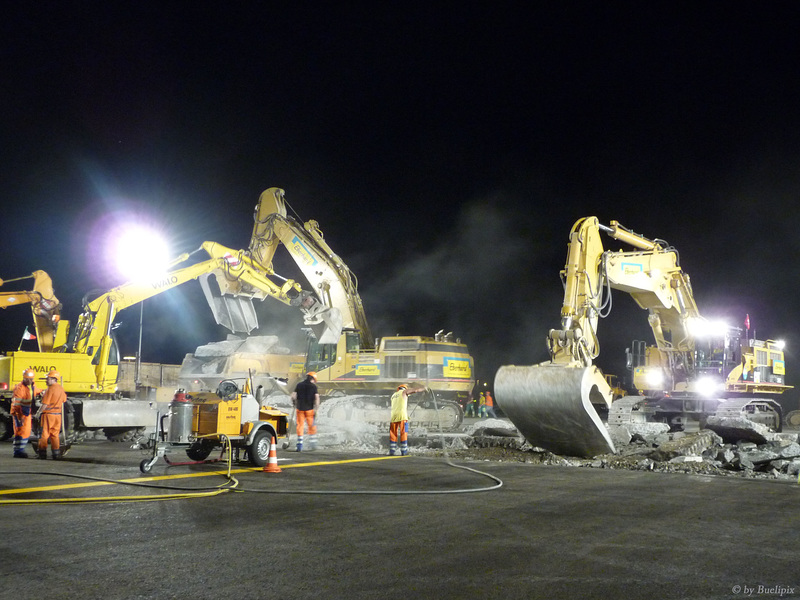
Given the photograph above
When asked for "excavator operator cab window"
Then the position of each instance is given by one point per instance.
(717, 355)
(320, 356)
(113, 354)
(353, 342)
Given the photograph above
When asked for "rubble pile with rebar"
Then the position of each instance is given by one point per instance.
(726, 446)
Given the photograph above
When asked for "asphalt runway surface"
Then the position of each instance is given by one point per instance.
(547, 532)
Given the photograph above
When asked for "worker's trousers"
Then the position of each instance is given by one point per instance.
(398, 430)
(51, 430)
(303, 417)
(22, 429)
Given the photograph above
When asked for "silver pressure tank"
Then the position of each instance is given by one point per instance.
(180, 422)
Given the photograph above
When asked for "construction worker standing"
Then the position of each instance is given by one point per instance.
(490, 405)
(472, 407)
(305, 399)
(21, 403)
(398, 426)
(481, 406)
(50, 415)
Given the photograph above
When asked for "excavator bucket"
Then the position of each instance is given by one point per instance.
(237, 313)
(552, 406)
(329, 330)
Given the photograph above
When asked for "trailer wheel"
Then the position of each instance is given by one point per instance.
(259, 449)
(200, 450)
(145, 466)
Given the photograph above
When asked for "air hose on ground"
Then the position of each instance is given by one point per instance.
(497, 480)
(232, 484)
(190, 492)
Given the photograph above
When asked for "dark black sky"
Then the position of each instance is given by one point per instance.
(445, 148)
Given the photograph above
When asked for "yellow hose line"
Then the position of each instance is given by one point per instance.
(186, 495)
(147, 498)
(150, 498)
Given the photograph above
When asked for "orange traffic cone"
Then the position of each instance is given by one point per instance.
(272, 461)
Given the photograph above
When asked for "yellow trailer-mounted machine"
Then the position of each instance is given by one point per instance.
(230, 420)
(690, 373)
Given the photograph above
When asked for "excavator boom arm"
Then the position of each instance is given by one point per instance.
(650, 275)
(45, 307)
(327, 273)
(237, 275)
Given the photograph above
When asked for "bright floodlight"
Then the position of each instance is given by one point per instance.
(708, 386)
(141, 254)
(779, 345)
(701, 328)
(654, 378)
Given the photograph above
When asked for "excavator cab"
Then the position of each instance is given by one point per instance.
(319, 356)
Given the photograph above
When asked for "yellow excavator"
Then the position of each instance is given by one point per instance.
(45, 307)
(88, 359)
(354, 364)
(691, 372)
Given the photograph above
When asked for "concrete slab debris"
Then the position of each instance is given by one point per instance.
(690, 445)
(733, 429)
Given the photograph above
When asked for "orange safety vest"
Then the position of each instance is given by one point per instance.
(23, 395)
(53, 400)
(489, 401)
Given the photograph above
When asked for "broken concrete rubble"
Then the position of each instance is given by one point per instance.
(689, 445)
(649, 447)
(758, 457)
(734, 429)
(653, 448)
(627, 433)
(790, 450)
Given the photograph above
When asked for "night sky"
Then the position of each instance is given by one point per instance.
(445, 149)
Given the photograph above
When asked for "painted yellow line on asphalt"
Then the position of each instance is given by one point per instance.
(69, 486)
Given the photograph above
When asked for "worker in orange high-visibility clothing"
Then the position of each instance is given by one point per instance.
(305, 399)
(398, 422)
(21, 403)
(50, 415)
(489, 406)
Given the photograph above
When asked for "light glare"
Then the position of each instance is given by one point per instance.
(702, 328)
(654, 378)
(708, 386)
(141, 254)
